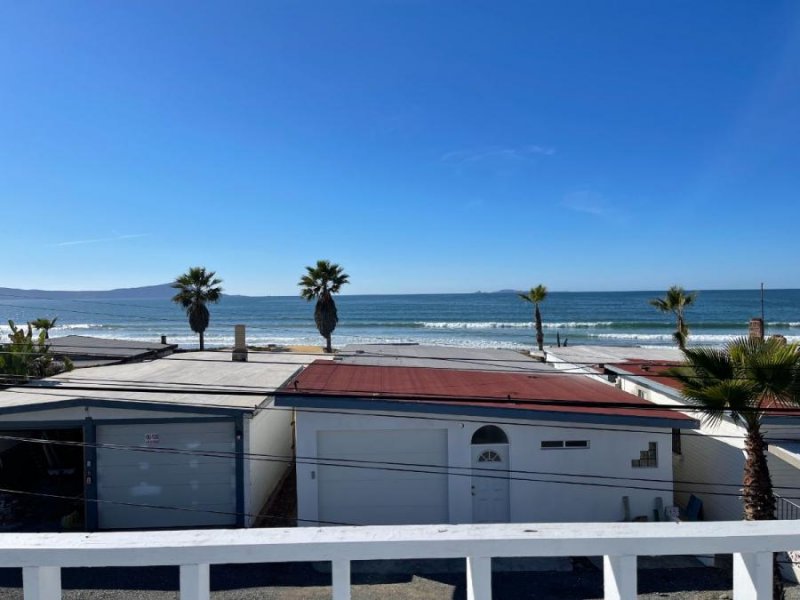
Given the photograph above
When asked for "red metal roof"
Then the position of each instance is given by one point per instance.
(547, 392)
(654, 370)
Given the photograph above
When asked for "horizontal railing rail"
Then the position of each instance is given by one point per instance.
(42, 556)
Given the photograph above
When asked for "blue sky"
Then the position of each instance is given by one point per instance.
(426, 146)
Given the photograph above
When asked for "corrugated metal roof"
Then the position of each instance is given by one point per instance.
(550, 392)
(173, 378)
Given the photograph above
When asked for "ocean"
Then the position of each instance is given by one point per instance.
(475, 320)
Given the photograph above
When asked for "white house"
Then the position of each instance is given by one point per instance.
(403, 445)
(710, 460)
(164, 443)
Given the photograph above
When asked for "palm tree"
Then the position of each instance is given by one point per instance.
(196, 288)
(320, 283)
(44, 324)
(740, 381)
(535, 297)
(675, 302)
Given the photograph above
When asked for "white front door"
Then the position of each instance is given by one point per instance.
(490, 483)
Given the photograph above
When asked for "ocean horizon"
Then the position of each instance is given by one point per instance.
(478, 319)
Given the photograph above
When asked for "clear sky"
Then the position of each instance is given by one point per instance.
(427, 146)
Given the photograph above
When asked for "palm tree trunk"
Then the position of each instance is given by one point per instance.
(758, 496)
(328, 347)
(539, 333)
(680, 334)
(202, 340)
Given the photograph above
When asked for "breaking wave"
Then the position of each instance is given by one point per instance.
(510, 324)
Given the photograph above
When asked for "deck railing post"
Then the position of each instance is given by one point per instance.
(752, 576)
(41, 583)
(479, 578)
(195, 582)
(619, 577)
(340, 579)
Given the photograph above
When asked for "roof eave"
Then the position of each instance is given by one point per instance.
(331, 402)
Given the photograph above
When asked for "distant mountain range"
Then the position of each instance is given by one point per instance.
(156, 292)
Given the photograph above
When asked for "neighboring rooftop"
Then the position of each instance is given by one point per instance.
(87, 351)
(439, 357)
(597, 355)
(657, 371)
(166, 381)
(516, 395)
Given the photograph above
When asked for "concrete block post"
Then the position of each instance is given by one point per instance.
(340, 579)
(619, 577)
(752, 576)
(41, 583)
(239, 344)
(479, 578)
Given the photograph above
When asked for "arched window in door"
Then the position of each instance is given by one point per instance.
(489, 456)
(489, 434)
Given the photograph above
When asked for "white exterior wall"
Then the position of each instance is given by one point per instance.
(712, 453)
(267, 432)
(610, 452)
(716, 454)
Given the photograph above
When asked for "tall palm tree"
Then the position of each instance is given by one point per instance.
(536, 296)
(740, 381)
(320, 283)
(196, 288)
(44, 324)
(676, 301)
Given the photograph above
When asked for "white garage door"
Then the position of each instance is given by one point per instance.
(386, 492)
(166, 479)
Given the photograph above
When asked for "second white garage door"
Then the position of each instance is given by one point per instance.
(378, 485)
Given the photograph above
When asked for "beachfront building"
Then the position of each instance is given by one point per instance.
(708, 462)
(165, 443)
(382, 444)
(711, 457)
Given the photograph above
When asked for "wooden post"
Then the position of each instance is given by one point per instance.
(619, 577)
(340, 579)
(41, 583)
(479, 578)
(195, 582)
(752, 576)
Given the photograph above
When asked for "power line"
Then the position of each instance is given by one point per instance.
(38, 390)
(166, 507)
(322, 392)
(469, 471)
(333, 461)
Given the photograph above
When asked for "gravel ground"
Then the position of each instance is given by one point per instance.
(304, 582)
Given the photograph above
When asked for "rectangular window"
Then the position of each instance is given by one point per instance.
(641, 393)
(552, 445)
(548, 445)
(576, 444)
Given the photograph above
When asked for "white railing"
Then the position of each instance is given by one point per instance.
(42, 556)
(786, 510)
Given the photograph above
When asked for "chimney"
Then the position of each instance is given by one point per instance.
(239, 344)
(756, 329)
